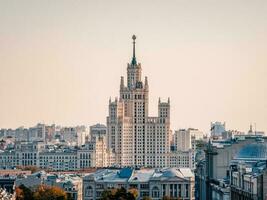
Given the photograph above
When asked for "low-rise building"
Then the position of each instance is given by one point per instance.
(215, 166)
(70, 183)
(155, 183)
(248, 173)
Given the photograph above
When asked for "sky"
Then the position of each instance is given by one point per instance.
(61, 61)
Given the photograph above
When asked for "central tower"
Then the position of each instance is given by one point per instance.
(132, 135)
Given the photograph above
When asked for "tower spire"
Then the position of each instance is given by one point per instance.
(134, 58)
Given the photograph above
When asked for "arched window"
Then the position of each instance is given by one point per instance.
(89, 191)
(155, 192)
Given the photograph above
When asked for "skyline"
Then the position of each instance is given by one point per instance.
(65, 72)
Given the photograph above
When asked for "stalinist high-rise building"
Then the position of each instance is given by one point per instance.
(135, 138)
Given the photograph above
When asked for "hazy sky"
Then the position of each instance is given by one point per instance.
(60, 61)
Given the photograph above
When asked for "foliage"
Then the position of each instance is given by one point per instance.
(200, 144)
(166, 198)
(169, 198)
(134, 192)
(23, 193)
(117, 194)
(43, 192)
(107, 195)
(31, 168)
(19, 194)
(146, 198)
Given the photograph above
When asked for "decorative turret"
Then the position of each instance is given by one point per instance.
(146, 83)
(122, 83)
(250, 129)
(164, 109)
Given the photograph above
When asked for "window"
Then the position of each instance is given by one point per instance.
(186, 190)
(155, 192)
(179, 190)
(89, 191)
(144, 186)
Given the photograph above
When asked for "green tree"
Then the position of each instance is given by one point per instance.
(107, 195)
(134, 192)
(31, 168)
(19, 194)
(168, 198)
(118, 194)
(23, 193)
(146, 198)
(44, 192)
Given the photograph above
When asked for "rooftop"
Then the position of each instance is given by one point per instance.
(254, 151)
(143, 175)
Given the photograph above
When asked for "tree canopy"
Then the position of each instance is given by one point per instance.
(43, 192)
(118, 194)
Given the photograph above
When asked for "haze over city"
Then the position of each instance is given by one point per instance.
(61, 62)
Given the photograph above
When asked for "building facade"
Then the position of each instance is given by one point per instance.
(57, 157)
(70, 183)
(248, 172)
(182, 140)
(173, 182)
(136, 138)
(213, 173)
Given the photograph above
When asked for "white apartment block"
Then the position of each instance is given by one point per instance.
(182, 140)
(74, 135)
(196, 134)
(185, 139)
(134, 137)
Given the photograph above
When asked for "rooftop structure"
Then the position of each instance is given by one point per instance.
(254, 152)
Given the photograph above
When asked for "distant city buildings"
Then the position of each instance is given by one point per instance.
(49, 134)
(98, 131)
(57, 157)
(216, 129)
(185, 139)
